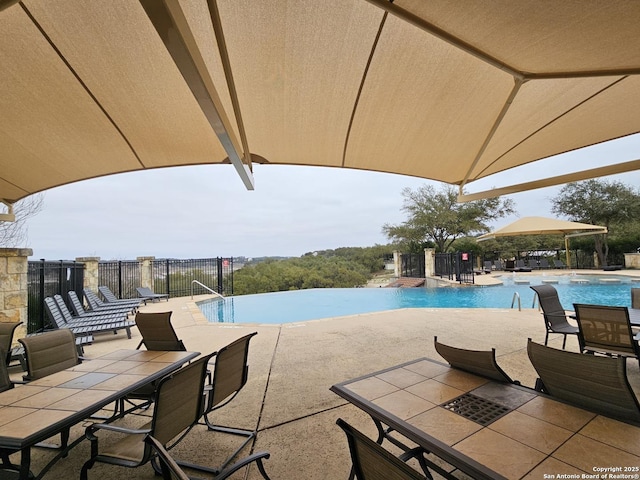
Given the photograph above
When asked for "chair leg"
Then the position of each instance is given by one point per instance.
(564, 340)
(546, 337)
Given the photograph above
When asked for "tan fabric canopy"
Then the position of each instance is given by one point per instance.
(544, 226)
(452, 91)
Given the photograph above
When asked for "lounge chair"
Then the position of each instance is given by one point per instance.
(488, 268)
(596, 383)
(84, 327)
(498, 265)
(606, 330)
(372, 462)
(80, 311)
(532, 264)
(148, 294)
(87, 317)
(478, 362)
(111, 298)
(521, 267)
(95, 303)
(544, 263)
(555, 316)
(559, 263)
(178, 403)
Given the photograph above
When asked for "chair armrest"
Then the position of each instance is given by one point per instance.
(115, 428)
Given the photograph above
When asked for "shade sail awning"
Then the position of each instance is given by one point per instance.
(543, 226)
(442, 90)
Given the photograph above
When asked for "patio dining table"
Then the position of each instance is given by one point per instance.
(491, 430)
(31, 413)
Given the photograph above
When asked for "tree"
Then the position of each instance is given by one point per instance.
(14, 234)
(438, 217)
(598, 202)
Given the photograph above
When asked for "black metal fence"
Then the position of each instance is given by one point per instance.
(121, 276)
(172, 276)
(45, 279)
(176, 277)
(412, 265)
(457, 265)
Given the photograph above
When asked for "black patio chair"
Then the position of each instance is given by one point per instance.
(555, 316)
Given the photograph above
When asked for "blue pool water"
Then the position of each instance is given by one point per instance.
(301, 305)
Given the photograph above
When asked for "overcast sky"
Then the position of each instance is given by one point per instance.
(201, 212)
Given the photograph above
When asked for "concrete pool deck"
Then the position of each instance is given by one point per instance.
(292, 367)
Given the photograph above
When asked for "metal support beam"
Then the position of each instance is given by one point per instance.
(171, 24)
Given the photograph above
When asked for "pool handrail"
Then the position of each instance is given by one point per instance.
(206, 288)
(513, 300)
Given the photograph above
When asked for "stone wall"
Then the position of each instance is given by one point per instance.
(13, 290)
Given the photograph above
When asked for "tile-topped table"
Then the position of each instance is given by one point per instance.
(42, 408)
(491, 430)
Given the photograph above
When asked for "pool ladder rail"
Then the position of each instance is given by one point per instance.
(206, 288)
(516, 296)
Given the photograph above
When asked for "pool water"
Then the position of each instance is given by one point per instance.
(301, 305)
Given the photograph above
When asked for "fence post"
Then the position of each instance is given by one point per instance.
(146, 271)
(13, 287)
(90, 272)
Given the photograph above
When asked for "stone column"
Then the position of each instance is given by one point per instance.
(632, 260)
(146, 271)
(13, 287)
(90, 272)
(429, 262)
(397, 263)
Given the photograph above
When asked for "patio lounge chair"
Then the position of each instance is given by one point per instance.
(372, 462)
(147, 294)
(606, 330)
(488, 268)
(86, 326)
(498, 265)
(80, 311)
(555, 316)
(478, 362)
(544, 263)
(96, 304)
(596, 383)
(559, 263)
(521, 267)
(88, 317)
(532, 264)
(178, 403)
(111, 298)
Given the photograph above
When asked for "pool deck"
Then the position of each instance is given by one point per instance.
(292, 367)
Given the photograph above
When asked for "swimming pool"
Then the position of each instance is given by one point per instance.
(301, 305)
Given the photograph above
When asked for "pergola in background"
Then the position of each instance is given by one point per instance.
(452, 91)
(545, 226)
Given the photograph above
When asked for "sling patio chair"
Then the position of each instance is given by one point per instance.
(592, 382)
(559, 263)
(606, 330)
(48, 353)
(7, 330)
(544, 264)
(372, 462)
(7, 469)
(170, 470)
(230, 375)
(111, 298)
(148, 294)
(157, 334)
(94, 302)
(478, 362)
(555, 316)
(79, 309)
(178, 406)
